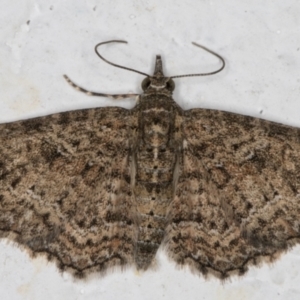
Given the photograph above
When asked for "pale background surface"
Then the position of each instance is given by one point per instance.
(42, 40)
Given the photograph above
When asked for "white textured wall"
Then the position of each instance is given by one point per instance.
(261, 43)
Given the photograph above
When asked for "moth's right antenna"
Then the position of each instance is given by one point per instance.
(205, 74)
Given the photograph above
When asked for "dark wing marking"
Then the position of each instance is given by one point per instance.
(65, 187)
(238, 194)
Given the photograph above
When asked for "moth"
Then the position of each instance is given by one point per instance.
(102, 188)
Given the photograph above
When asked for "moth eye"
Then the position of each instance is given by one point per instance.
(145, 83)
(170, 85)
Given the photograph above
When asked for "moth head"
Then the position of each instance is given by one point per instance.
(158, 82)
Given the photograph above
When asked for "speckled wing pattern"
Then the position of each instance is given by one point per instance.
(238, 194)
(101, 188)
(65, 188)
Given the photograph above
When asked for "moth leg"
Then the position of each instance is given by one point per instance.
(115, 97)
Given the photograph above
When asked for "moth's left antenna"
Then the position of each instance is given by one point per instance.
(115, 65)
(112, 96)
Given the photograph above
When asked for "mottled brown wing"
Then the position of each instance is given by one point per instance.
(238, 194)
(65, 187)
